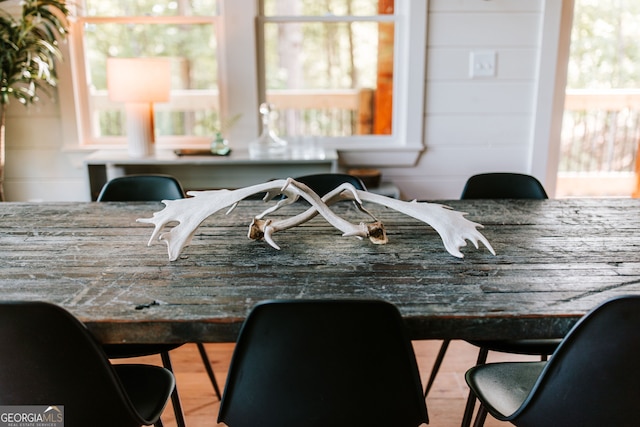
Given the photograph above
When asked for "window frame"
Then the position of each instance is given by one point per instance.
(86, 138)
(237, 26)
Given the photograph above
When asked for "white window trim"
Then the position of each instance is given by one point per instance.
(552, 81)
(237, 96)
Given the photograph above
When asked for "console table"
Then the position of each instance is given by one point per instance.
(204, 172)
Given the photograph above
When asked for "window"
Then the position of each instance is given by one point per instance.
(339, 70)
(328, 66)
(183, 31)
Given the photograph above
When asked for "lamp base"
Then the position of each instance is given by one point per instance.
(140, 130)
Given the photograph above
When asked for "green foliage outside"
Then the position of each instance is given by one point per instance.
(320, 55)
(605, 45)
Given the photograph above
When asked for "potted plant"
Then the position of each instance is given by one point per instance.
(28, 53)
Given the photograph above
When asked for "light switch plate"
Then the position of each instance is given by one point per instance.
(482, 64)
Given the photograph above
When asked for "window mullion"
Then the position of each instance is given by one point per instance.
(411, 81)
(178, 20)
(328, 18)
(238, 70)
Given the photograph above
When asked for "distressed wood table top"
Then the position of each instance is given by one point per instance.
(555, 260)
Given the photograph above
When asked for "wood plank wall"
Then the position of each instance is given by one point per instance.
(482, 124)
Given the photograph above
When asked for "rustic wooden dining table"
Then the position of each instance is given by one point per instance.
(555, 260)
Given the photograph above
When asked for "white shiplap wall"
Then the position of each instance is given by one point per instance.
(481, 124)
(38, 168)
(471, 125)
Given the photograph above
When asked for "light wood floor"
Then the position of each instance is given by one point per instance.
(445, 403)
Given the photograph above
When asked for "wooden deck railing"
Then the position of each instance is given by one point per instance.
(301, 112)
(601, 131)
(328, 112)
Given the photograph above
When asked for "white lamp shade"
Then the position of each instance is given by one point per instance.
(137, 80)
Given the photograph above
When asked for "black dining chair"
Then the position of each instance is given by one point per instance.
(140, 188)
(499, 185)
(49, 358)
(591, 380)
(503, 185)
(319, 363)
(323, 183)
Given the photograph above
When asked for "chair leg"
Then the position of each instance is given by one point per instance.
(471, 399)
(468, 410)
(175, 398)
(207, 367)
(436, 366)
(481, 416)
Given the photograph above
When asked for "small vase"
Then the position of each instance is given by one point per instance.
(219, 145)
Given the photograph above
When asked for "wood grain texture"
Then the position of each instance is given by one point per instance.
(556, 259)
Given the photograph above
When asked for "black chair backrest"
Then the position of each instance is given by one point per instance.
(141, 188)
(320, 363)
(323, 183)
(593, 378)
(503, 185)
(49, 358)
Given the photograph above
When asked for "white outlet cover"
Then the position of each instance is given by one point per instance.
(482, 64)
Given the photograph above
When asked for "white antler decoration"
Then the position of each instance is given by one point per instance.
(265, 228)
(192, 211)
(451, 225)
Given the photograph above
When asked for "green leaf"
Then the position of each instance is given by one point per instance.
(29, 49)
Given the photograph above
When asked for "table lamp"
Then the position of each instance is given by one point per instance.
(139, 82)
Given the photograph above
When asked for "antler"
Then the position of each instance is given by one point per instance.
(261, 228)
(451, 225)
(454, 229)
(191, 212)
